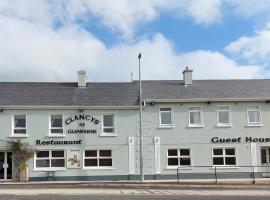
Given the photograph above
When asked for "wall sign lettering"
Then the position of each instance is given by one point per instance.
(58, 142)
(82, 119)
(239, 140)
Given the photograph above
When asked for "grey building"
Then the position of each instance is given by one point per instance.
(90, 131)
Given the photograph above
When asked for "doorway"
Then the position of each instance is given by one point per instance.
(5, 165)
(265, 161)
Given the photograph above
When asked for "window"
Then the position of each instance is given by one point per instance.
(108, 123)
(223, 115)
(56, 124)
(224, 156)
(97, 158)
(50, 159)
(165, 116)
(19, 124)
(179, 157)
(253, 115)
(195, 117)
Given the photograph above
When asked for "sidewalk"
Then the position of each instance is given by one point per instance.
(245, 184)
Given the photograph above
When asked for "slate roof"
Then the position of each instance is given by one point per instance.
(127, 93)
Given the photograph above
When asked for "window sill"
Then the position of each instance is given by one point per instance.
(108, 135)
(167, 126)
(224, 125)
(179, 167)
(98, 168)
(56, 135)
(196, 126)
(49, 169)
(254, 125)
(225, 167)
(19, 136)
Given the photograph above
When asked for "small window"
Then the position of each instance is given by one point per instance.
(253, 114)
(223, 115)
(165, 116)
(224, 156)
(56, 124)
(195, 116)
(19, 124)
(178, 157)
(108, 124)
(98, 158)
(50, 159)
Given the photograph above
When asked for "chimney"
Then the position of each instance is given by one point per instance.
(82, 79)
(187, 76)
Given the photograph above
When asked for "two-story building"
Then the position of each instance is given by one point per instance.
(90, 131)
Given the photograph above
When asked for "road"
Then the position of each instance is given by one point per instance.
(128, 197)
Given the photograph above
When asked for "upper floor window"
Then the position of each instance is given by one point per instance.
(165, 116)
(108, 123)
(19, 124)
(56, 124)
(223, 115)
(195, 117)
(179, 157)
(224, 156)
(254, 115)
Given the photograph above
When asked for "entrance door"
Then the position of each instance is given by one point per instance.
(265, 160)
(5, 166)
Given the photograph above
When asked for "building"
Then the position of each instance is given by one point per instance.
(90, 131)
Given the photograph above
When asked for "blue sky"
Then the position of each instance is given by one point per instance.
(44, 40)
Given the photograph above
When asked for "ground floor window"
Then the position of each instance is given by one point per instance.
(50, 159)
(224, 156)
(97, 158)
(178, 157)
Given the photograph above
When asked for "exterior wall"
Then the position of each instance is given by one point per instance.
(199, 139)
(38, 129)
(157, 140)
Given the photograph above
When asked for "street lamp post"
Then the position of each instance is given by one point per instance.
(141, 134)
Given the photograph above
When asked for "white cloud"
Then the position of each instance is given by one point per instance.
(255, 49)
(214, 65)
(32, 49)
(249, 8)
(31, 52)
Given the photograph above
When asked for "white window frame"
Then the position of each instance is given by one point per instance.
(260, 116)
(229, 124)
(178, 157)
(105, 134)
(166, 125)
(201, 124)
(225, 156)
(18, 135)
(98, 157)
(50, 159)
(50, 126)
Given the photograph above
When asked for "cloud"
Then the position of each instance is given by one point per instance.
(214, 65)
(254, 49)
(49, 45)
(121, 16)
(34, 52)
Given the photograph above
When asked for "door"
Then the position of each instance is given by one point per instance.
(5, 166)
(265, 160)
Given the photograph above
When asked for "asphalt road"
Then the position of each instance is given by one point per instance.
(127, 197)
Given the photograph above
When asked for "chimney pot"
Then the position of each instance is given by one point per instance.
(187, 76)
(82, 79)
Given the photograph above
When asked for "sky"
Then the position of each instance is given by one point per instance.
(50, 40)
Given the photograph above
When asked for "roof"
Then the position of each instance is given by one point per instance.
(68, 94)
(208, 89)
(127, 93)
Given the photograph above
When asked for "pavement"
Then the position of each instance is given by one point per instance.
(198, 184)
